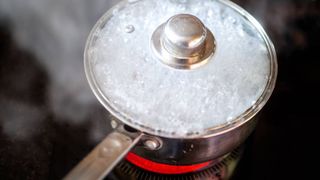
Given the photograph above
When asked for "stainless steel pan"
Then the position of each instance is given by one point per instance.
(161, 147)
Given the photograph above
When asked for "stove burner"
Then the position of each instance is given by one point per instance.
(165, 168)
(219, 171)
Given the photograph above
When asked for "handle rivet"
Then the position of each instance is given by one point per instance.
(152, 144)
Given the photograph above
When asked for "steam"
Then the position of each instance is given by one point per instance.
(18, 117)
(55, 31)
(273, 16)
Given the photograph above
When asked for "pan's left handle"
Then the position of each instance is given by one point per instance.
(102, 159)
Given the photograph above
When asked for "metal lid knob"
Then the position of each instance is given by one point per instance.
(183, 42)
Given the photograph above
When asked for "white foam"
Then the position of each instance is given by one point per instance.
(150, 93)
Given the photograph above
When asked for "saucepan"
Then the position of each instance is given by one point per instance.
(184, 81)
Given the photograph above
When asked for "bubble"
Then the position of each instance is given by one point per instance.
(115, 11)
(129, 29)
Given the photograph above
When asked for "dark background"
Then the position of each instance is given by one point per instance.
(49, 118)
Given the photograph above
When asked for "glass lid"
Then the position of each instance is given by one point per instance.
(180, 68)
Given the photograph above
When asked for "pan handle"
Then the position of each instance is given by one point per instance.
(102, 159)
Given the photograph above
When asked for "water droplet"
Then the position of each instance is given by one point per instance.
(115, 11)
(129, 29)
(146, 59)
(241, 33)
(232, 20)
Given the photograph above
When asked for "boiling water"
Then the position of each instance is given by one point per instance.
(144, 91)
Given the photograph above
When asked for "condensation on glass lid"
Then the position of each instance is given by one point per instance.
(139, 88)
